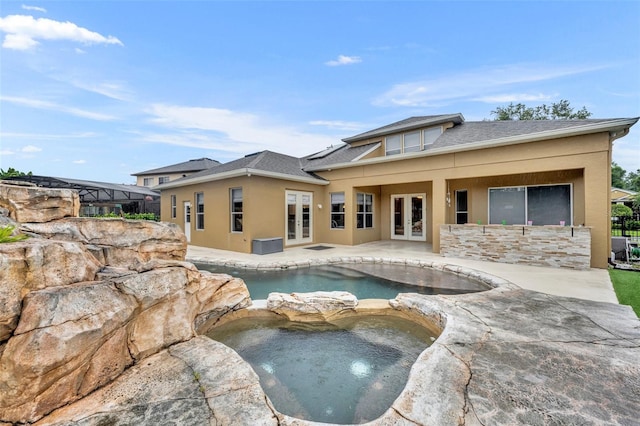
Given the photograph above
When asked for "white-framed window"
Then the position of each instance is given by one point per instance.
(337, 210)
(364, 210)
(148, 181)
(163, 179)
(413, 141)
(462, 208)
(236, 209)
(393, 145)
(535, 204)
(429, 136)
(200, 210)
(174, 207)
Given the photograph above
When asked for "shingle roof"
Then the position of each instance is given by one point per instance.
(265, 161)
(345, 154)
(187, 166)
(478, 131)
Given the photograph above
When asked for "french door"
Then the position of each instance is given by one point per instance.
(299, 217)
(407, 217)
(187, 220)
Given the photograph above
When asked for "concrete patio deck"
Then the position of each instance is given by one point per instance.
(592, 284)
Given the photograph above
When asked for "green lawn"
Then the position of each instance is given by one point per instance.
(627, 287)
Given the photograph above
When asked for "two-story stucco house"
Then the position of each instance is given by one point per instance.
(155, 177)
(403, 181)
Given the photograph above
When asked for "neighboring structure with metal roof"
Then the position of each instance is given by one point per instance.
(153, 177)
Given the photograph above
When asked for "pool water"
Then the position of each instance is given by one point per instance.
(365, 281)
(345, 373)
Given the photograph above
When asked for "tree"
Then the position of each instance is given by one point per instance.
(557, 111)
(632, 181)
(617, 176)
(11, 172)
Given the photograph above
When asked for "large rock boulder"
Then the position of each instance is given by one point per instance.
(198, 382)
(28, 203)
(35, 264)
(117, 242)
(73, 339)
(317, 305)
(69, 341)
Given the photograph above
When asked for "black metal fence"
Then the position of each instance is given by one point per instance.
(625, 226)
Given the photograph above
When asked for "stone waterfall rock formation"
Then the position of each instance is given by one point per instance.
(85, 300)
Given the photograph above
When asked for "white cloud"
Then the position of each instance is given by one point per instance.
(6, 152)
(479, 85)
(45, 136)
(343, 60)
(79, 161)
(39, 104)
(36, 8)
(231, 131)
(339, 125)
(31, 148)
(113, 90)
(23, 31)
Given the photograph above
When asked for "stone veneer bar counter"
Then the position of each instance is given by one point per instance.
(557, 246)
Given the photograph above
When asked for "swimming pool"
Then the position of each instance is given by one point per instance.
(365, 281)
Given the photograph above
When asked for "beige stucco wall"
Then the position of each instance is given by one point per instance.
(263, 210)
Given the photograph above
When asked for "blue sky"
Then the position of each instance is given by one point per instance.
(99, 90)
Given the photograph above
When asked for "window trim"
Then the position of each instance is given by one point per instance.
(174, 206)
(364, 213)
(234, 214)
(526, 201)
(338, 213)
(199, 214)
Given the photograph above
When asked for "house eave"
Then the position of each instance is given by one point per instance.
(239, 173)
(612, 126)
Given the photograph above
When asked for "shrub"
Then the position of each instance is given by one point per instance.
(618, 210)
(133, 216)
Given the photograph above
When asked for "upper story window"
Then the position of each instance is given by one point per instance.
(412, 141)
(163, 179)
(429, 136)
(236, 210)
(148, 181)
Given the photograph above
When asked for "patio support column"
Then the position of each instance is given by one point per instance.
(439, 210)
(596, 194)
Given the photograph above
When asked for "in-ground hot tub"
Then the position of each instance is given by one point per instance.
(349, 370)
